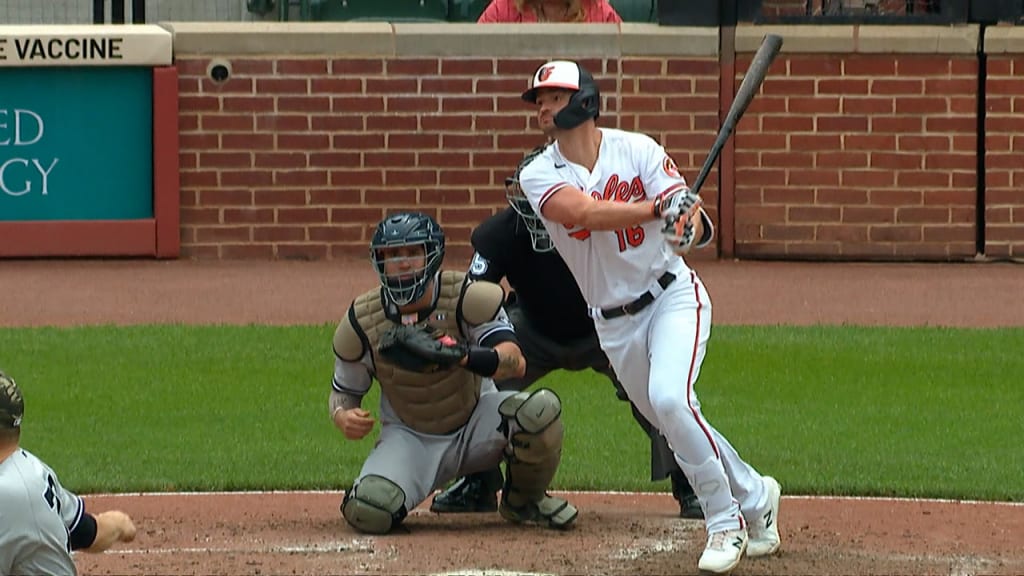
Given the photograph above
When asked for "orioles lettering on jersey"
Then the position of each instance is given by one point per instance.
(622, 191)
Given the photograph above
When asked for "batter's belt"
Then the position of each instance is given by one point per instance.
(645, 299)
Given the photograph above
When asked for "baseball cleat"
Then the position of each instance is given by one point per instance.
(764, 531)
(723, 552)
(474, 493)
(556, 512)
(689, 508)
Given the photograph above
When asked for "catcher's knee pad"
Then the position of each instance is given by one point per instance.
(375, 505)
(533, 421)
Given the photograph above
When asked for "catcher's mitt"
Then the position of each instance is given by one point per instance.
(420, 348)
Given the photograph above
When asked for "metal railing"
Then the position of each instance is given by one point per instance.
(117, 12)
(853, 11)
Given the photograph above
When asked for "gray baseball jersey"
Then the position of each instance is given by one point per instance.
(36, 516)
(419, 462)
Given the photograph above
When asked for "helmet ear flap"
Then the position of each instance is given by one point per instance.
(583, 105)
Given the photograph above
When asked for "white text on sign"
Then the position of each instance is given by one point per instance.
(22, 128)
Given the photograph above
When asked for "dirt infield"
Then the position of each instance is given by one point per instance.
(303, 533)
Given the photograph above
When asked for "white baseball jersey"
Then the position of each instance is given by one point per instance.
(36, 517)
(612, 267)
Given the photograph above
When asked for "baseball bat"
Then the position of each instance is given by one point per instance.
(751, 83)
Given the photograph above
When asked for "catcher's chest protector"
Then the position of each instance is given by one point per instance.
(434, 403)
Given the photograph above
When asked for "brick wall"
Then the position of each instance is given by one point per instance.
(1004, 157)
(859, 156)
(300, 158)
(847, 153)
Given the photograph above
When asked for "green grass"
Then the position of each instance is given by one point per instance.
(924, 412)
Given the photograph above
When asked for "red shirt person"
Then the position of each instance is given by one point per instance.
(528, 11)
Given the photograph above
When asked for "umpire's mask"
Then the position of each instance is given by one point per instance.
(539, 236)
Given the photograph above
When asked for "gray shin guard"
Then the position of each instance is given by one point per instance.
(375, 505)
(532, 456)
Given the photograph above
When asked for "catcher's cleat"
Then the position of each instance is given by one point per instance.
(474, 493)
(555, 512)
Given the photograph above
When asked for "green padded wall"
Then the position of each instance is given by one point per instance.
(636, 10)
(466, 10)
(386, 10)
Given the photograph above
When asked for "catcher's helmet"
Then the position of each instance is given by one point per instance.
(12, 405)
(408, 229)
(539, 236)
(584, 104)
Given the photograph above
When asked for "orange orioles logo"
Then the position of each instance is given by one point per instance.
(670, 168)
(544, 73)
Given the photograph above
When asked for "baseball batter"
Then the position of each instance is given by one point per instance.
(40, 521)
(434, 343)
(620, 214)
(554, 332)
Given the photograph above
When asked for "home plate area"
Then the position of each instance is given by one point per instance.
(615, 534)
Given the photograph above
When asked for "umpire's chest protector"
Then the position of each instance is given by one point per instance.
(437, 402)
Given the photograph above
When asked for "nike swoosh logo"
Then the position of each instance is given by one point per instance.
(559, 165)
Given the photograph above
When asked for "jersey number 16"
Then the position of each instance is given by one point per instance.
(630, 237)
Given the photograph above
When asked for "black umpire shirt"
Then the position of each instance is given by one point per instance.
(546, 291)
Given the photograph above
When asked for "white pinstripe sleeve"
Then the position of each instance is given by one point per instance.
(501, 323)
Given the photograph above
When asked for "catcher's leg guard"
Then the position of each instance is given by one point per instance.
(375, 505)
(532, 456)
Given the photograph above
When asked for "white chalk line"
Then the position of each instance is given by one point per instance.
(583, 493)
(963, 565)
(353, 545)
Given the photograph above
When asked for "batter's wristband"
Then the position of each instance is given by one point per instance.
(482, 361)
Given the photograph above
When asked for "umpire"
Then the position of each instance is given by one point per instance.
(554, 332)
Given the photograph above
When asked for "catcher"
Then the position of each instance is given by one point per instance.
(435, 342)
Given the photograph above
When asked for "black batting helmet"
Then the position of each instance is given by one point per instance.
(584, 104)
(408, 229)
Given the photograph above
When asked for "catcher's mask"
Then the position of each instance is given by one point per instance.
(584, 104)
(539, 236)
(12, 404)
(408, 229)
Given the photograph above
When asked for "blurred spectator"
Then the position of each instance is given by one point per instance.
(549, 11)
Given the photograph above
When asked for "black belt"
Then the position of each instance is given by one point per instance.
(640, 303)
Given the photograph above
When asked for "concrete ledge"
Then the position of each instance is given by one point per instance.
(1004, 40)
(797, 39)
(80, 45)
(282, 38)
(420, 39)
(842, 39)
(654, 40)
(415, 39)
(507, 40)
(919, 39)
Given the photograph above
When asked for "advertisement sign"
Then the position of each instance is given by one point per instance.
(76, 143)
